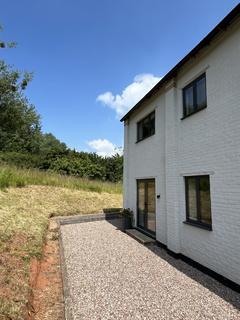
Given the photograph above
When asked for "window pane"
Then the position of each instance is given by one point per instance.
(201, 93)
(192, 199)
(141, 203)
(151, 210)
(188, 100)
(152, 123)
(145, 127)
(205, 201)
(140, 131)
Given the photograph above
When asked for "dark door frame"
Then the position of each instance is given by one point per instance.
(144, 229)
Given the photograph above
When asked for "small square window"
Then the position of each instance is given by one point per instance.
(198, 201)
(195, 96)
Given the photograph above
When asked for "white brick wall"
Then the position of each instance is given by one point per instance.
(207, 142)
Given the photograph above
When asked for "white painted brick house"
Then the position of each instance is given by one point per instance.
(182, 154)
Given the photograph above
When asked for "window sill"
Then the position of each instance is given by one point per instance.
(190, 114)
(145, 138)
(198, 225)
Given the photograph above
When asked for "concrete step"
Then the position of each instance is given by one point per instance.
(139, 236)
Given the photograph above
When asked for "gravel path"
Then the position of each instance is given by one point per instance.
(112, 276)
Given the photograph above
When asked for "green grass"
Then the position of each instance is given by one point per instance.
(16, 177)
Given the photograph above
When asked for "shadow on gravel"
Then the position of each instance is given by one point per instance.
(117, 223)
(205, 280)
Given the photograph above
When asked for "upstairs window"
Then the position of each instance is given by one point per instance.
(198, 201)
(146, 127)
(195, 96)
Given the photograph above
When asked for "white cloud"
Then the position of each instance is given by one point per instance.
(122, 103)
(104, 147)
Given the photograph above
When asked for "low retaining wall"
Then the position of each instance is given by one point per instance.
(89, 218)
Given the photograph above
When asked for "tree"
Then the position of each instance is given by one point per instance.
(20, 128)
(50, 145)
(114, 168)
(4, 44)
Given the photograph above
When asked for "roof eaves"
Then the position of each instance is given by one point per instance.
(222, 26)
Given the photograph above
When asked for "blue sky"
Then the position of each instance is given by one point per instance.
(93, 59)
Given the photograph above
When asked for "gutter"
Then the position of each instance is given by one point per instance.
(221, 27)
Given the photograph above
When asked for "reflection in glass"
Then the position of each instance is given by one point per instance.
(147, 205)
(189, 103)
(141, 203)
(151, 207)
(192, 199)
(201, 93)
(205, 201)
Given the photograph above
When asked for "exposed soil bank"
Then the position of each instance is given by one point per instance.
(46, 301)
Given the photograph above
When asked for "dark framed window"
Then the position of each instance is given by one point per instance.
(146, 127)
(195, 96)
(198, 201)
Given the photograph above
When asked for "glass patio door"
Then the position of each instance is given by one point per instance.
(146, 204)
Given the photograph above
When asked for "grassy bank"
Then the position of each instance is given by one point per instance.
(24, 217)
(15, 177)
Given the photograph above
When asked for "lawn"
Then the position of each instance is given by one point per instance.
(24, 216)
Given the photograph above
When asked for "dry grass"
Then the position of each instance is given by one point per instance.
(24, 214)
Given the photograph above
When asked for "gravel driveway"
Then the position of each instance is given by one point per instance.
(109, 275)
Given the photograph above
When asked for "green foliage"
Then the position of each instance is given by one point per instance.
(20, 128)
(127, 212)
(78, 167)
(51, 146)
(114, 168)
(21, 160)
(82, 165)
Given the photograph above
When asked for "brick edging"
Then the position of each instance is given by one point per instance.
(66, 290)
(88, 218)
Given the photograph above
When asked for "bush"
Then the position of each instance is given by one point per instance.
(72, 163)
(21, 160)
